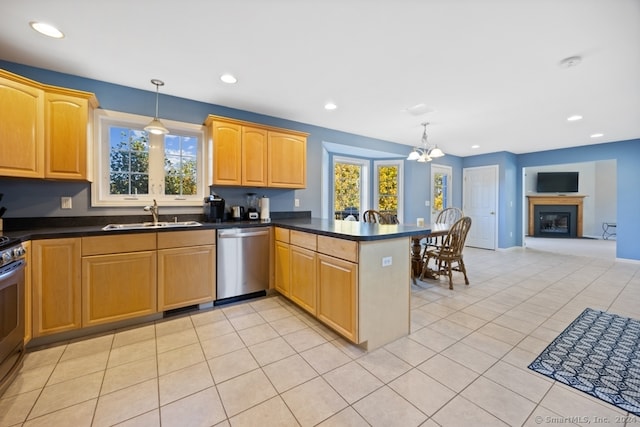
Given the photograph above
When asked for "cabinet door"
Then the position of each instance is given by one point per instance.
(56, 285)
(119, 286)
(254, 156)
(282, 268)
(287, 160)
(186, 276)
(303, 278)
(227, 153)
(337, 295)
(21, 129)
(66, 121)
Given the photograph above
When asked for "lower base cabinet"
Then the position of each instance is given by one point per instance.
(186, 268)
(118, 278)
(186, 276)
(303, 278)
(56, 285)
(338, 295)
(118, 287)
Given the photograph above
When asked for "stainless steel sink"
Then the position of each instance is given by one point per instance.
(150, 225)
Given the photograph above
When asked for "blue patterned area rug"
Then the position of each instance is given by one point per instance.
(599, 354)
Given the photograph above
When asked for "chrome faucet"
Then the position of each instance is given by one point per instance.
(154, 211)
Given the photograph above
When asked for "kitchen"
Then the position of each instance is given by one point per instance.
(25, 199)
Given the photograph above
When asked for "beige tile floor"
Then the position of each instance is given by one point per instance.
(266, 363)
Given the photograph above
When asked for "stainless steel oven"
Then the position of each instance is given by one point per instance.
(12, 264)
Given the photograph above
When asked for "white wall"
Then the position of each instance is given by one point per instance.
(597, 181)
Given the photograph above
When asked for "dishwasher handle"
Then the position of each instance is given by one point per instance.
(240, 234)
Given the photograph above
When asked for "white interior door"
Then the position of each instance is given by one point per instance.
(480, 202)
(441, 184)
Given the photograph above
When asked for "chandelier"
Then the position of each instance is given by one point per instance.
(425, 153)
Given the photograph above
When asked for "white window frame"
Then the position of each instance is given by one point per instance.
(365, 200)
(100, 186)
(376, 194)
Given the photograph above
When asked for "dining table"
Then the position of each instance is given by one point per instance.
(435, 230)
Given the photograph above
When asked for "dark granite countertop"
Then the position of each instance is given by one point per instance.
(350, 230)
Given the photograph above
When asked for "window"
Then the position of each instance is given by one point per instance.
(388, 187)
(349, 187)
(134, 167)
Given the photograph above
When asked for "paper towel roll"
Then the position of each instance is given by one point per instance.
(264, 210)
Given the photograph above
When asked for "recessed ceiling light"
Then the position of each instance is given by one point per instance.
(574, 118)
(597, 135)
(46, 29)
(475, 146)
(228, 78)
(330, 106)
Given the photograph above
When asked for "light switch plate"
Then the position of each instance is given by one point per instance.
(296, 203)
(387, 261)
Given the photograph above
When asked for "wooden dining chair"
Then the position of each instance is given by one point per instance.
(446, 216)
(372, 216)
(389, 218)
(448, 257)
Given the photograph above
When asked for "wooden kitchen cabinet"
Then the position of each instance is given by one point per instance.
(44, 130)
(186, 268)
(337, 295)
(282, 263)
(118, 277)
(56, 285)
(303, 278)
(21, 127)
(254, 156)
(287, 160)
(303, 269)
(249, 154)
(227, 152)
(68, 118)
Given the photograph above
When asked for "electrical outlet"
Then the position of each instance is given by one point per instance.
(427, 203)
(65, 203)
(296, 203)
(387, 261)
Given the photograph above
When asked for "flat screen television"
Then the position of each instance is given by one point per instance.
(557, 182)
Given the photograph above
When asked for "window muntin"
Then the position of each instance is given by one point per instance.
(134, 167)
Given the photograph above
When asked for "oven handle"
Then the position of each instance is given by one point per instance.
(8, 271)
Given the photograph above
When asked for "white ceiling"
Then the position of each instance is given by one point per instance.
(488, 71)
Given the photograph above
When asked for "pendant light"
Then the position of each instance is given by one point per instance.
(156, 127)
(425, 153)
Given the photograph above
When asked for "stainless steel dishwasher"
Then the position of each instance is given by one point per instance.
(243, 263)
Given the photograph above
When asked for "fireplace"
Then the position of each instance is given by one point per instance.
(555, 221)
(555, 216)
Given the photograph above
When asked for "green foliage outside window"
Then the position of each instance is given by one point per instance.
(388, 189)
(129, 162)
(346, 186)
(438, 188)
(180, 165)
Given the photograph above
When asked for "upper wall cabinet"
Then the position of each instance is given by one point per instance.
(44, 130)
(249, 154)
(21, 127)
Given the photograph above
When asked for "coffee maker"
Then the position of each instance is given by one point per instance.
(213, 208)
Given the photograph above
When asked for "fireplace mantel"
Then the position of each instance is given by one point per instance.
(555, 200)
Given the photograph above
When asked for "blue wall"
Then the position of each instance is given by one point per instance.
(42, 198)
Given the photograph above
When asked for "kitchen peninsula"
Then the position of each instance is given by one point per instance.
(353, 277)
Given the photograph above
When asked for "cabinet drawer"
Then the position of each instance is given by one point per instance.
(304, 240)
(179, 239)
(99, 245)
(339, 248)
(282, 235)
